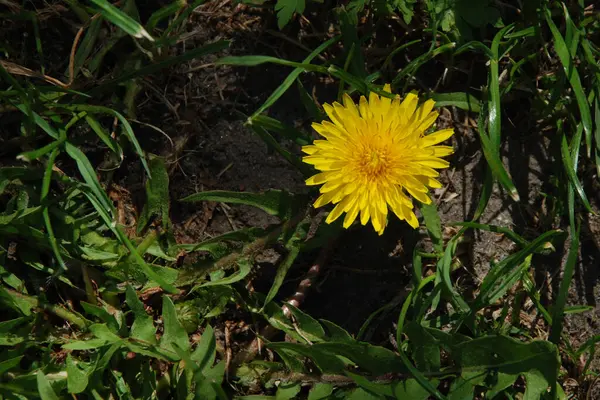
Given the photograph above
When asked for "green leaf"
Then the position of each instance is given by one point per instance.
(103, 332)
(102, 314)
(293, 248)
(537, 361)
(173, 330)
(143, 325)
(327, 361)
(78, 375)
(287, 391)
(273, 202)
(206, 350)
(565, 283)
(122, 20)
(308, 327)
(433, 224)
(426, 349)
(286, 9)
(245, 267)
(10, 335)
(9, 364)
(157, 195)
(411, 389)
(375, 359)
(321, 391)
(44, 389)
(462, 100)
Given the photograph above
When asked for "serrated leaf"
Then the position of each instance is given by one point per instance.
(78, 375)
(433, 224)
(157, 195)
(206, 350)
(143, 325)
(285, 10)
(173, 330)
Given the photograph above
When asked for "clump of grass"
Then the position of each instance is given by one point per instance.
(94, 308)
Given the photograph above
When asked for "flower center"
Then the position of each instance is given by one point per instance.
(373, 162)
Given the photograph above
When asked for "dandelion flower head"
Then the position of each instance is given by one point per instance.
(373, 155)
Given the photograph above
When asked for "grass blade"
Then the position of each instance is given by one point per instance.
(122, 20)
(573, 76)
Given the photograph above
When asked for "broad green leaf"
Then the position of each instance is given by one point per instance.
(375, 359)
(286, 9)
(78, 375)
(90, 344)
(537, 361)
(10, 334)
(44, 389)
(173, 331)
(143, 325)
(206, 350)
(308, 327)
(425, 348)
(327, 361)
(103, 332)
(208, 383)
(411, 389)
(321, 391)
(287, 391)
(7, 365)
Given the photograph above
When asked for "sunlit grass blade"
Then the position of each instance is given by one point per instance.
(573, 76)
(127, 129)
(122, 20)
(43, 199)
(289, 80)
(462, 100)
(164, 12)
(570, 168)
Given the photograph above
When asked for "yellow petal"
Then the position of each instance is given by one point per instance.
(351, 215)
(324, 199)
(436, 137)
(442, 151)
(349, 104)
(432, 162)
(318, 179)
(411, 218)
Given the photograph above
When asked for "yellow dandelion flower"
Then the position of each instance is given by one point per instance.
(372, 154)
